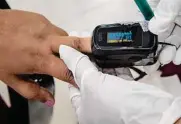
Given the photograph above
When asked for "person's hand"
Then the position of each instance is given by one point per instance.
(28, 42)
(107, 99)
(167, 25)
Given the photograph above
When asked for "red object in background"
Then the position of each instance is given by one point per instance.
(170, 70)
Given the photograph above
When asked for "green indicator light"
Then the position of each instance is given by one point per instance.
(145, 9)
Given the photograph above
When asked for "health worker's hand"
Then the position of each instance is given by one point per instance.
(167, 25)
(106, 99)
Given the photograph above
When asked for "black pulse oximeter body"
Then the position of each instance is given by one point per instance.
(123, 45)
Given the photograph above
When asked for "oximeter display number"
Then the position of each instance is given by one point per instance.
(119, 37)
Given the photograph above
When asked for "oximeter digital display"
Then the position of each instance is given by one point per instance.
(120, 45)
(119, 37)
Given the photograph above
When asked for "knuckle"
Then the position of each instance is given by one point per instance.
(42, 65)
(77, 43)
(44, 19)
(32, 69)
(45, 92)
(49, 39)
(32, 66)
(38, 61)
(64, 33)
(49, 42)
(33, 91)
(47, 66)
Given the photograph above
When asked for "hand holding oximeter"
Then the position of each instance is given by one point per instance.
(120, 45)
(117, 45)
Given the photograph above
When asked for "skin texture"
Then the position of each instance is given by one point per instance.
(28, 42)
(179, 121)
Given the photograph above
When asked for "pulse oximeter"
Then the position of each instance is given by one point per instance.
(123, 45)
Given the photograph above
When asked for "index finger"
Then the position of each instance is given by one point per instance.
(80, 44)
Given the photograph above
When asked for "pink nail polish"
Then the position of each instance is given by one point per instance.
(49, 103)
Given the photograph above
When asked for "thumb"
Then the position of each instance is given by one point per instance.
(77, 62)
(165, 14)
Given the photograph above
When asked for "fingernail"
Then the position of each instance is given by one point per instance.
(70, 77)
(49, 103)
(73, 83)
